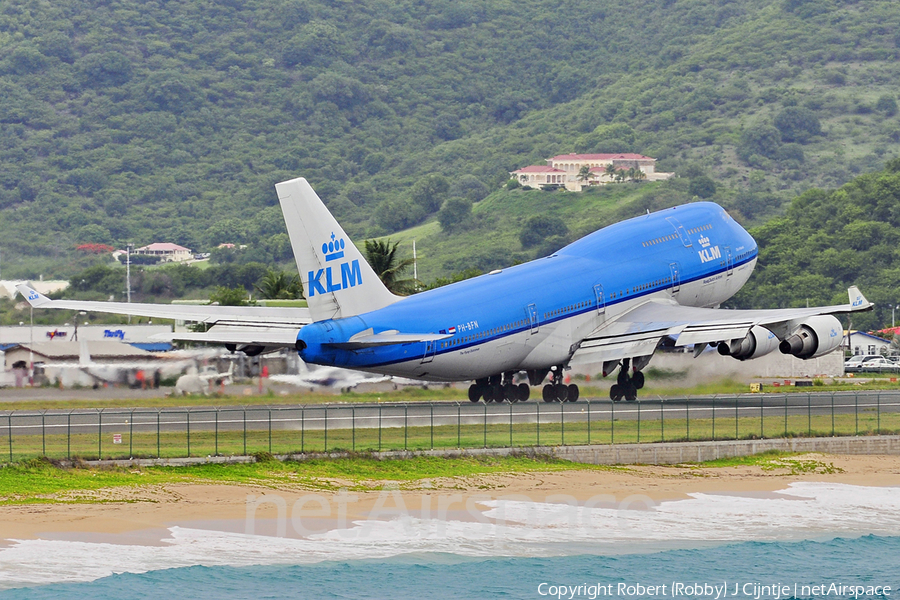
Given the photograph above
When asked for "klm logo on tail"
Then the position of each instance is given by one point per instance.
(350, 272)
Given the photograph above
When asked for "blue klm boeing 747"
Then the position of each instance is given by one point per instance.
(612, 297)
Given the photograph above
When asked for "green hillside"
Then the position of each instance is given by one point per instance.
(171, 121)
(828, 241)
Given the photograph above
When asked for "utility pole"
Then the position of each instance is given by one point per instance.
(128, 248)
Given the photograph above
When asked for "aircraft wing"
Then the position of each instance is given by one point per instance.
(639, 331)
(238, 325)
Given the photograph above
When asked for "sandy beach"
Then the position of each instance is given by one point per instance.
(143, 515)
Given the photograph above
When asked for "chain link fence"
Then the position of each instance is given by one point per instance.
(197, 432)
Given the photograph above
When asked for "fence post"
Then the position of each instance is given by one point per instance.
(9, 433)
(878, 400)
(510, 425)
(662, 419)
(736, 418)
(302, 430)
(406, 427)
(589, 422)
(270, 431)
(325, 449)
(762, 418)
(431, 406)
(353, 428)
(68, 434)
(538, 405)
(856, 410)
(485, 424)
(43, 434)
(785, 415)
(832, 414)
(612, 421)
(244, 411)
(100, 434)
(639, 422)
(562, 423)
(714, 418)
(158, 455)
(458, 426)
(188, 419)
(808, 415)
(216, 435)
(687, 417)
(379, 427)
(131, 434)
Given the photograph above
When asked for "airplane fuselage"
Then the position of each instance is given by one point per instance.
(531, 316)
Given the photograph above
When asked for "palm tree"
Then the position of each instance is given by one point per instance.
(279, 285)
(584, 174)
(382, 257)
(635, 174)
(610, 171)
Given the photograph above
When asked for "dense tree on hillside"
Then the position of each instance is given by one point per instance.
(538, 229)
(828, 241)
(160, 121)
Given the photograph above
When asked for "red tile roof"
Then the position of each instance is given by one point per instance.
(165, 247)
(539, 169)
(627, 156)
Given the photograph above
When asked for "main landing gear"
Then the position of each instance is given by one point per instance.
(499, 388)
(626, 385)
(557, 391)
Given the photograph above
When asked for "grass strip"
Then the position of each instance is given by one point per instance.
(44, 481)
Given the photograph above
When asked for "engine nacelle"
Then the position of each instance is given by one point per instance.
(759, 341)
(816, 336)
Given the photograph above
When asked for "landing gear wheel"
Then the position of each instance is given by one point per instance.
(616, 393)
(497, 393)
(562, 392)
(622, 378)
(631, 393)
(548, 393)
(524, 392)
(637, 380)
(510, 392)
(572, 393)
(474, 393)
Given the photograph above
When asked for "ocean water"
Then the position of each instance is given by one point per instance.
(844, 539)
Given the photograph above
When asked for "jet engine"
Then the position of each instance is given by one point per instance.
(816, 336)
(758, 342)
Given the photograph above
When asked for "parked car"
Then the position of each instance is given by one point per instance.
(854, 363)
(879, 365)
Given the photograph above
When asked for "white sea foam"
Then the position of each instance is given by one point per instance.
(511, 527)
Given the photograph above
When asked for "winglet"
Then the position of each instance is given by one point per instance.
(857, 300)
(34, 297)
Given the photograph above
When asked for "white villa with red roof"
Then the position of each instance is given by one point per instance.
(563, 170)
(166, 252)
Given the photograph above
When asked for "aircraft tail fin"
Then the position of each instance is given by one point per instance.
(857, 300)
(337, 280)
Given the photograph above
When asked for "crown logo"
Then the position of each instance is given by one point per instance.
(704, 241)
(333, 249)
